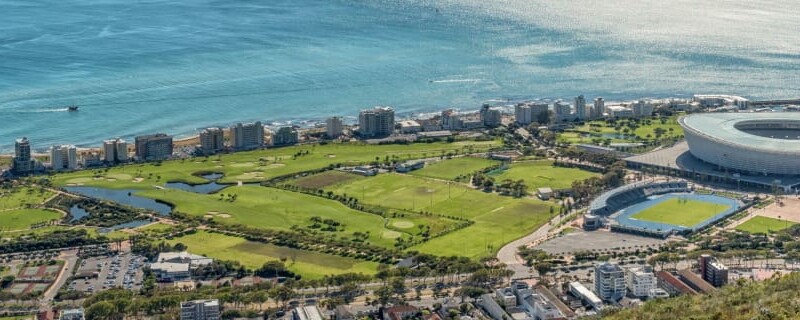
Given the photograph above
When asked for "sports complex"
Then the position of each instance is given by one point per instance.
(757, 151)
(658, 209)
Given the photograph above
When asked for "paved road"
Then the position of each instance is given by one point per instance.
(508, 253)
(71, 258)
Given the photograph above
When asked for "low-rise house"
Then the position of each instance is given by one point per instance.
(365, 171)
(409, 166)
(673, 285)
(399, 312)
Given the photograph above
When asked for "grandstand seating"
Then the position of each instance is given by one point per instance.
(628, 195)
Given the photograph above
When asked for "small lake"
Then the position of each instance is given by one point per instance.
(125, 197)
(127, 225)
(77, 213)
(205, 188)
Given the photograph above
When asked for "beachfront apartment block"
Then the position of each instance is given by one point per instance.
(212, 140)
(599, 109)
(580, 107)
(247, 136)
(200, 310)
(491, 117)
(153, 147)
(530, 112)
(23, 163)
(115, 151)
(563, 111)
(285, 136)
(63, 157)
(376, 122)
(334, 127)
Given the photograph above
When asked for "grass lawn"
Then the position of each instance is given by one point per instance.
(594, 130)
(45, 230)
(21, 219)
(498, 219)
(761, 224)
(272, 208)
(539, 174)
(450, 169)
(260, 165)
(673, 211)
(157, 227)
(254, 254)
(22, 196)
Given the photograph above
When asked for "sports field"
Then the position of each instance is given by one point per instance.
(21, 219)
(681, 211)
(759, 224)
(498, 219)
(254, 254)
(541, 174)
(259, 165)
(450, 169)
(271, 208)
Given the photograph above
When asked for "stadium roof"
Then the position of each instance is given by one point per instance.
(722, 126)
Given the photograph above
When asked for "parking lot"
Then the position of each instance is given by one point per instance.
(102, 273)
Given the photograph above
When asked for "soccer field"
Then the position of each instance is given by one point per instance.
(764, 225)
(681, 212)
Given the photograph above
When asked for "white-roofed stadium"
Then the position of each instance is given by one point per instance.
(753, 143)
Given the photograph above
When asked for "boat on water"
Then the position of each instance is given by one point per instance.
(72, 108)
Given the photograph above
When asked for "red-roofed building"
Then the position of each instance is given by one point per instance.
(673, 285)
(399, 312)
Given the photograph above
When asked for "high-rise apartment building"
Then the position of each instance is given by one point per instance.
(64, 157)
(491, 117)
(200, 310)
(376, 122)
(712, 271)
(527, 113)
(115, 151)
(609, 281)
(563, 111)
(599, 107)
(247, 136)
(153, 147)
(451, 120)
(580, 107)
(212, 140)
(23, 162)
(334, 127)
(285, 136)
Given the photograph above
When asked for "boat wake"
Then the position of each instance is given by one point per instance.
(455, 80)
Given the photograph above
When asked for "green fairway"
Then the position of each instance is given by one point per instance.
(254, 254)
(22, 219)
(22, 196)
(271, 208)
(260, 165)
(450, 169)
(154, 228)
(761, 224)
(540, 174)
(498, 219)
(681, 213)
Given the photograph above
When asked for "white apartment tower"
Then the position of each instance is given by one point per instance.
(640, 280)
(64, 157)
(115, 150)
(212, 140)
(334, 127)
(247, 136)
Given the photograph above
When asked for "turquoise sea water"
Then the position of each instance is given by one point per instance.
(139, 67)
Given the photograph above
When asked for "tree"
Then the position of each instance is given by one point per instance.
(100, 311)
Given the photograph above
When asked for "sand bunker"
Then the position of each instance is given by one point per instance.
(402, 224)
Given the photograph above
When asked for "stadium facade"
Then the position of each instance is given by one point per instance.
(747, 143)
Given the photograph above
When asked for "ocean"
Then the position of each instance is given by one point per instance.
(137, 67)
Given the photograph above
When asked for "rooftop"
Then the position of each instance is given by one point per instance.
(726, 127)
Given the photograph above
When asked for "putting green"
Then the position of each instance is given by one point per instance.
(403, 224)
(389, 234)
